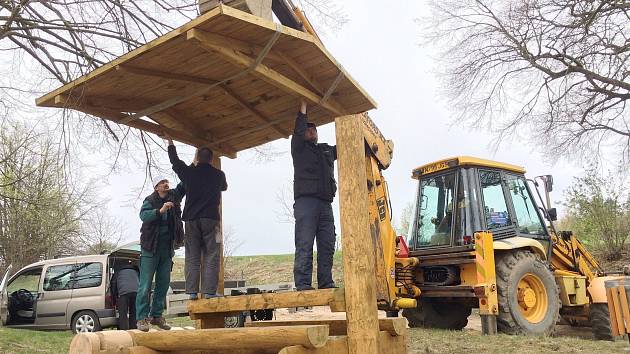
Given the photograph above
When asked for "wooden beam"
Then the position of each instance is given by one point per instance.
(267, 339)
(261, 71)
(358, 250)
(394, 326)
(330, 297)
(157, 129)
(308, 78)
(253, 111)
(165, 75)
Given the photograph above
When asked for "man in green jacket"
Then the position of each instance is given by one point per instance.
(161, 233)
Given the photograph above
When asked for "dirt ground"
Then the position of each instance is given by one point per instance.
(474, 321)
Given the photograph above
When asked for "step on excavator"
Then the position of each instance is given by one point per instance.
(481, 235)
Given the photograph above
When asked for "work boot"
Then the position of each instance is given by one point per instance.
(161, 323)
(212, 296)
(193, 296)
(143, 325)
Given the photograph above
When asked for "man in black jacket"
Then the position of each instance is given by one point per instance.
(204, 185)
(314, 189)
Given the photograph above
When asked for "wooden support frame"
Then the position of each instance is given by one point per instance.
(222, 148)
(233, 55)
(358, 262)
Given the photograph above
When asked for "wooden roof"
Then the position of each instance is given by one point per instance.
(227, 79)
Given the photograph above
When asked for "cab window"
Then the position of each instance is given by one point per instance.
(28, 280)
(435, 210)
(526, 214)
(88, 275)
(495, 206)
(58, 277)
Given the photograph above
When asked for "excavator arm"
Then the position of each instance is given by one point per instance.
(378, 157)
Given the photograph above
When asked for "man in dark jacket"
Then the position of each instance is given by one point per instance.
(124, 289)
(161, 233)
(314, 189)
(204, 185)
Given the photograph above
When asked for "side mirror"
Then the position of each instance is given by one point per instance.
(553, 214)
(549, 183)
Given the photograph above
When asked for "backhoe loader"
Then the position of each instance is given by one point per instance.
(481, 236)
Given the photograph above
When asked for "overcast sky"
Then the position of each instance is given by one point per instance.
(379, 47)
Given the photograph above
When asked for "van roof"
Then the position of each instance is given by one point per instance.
(88, 258)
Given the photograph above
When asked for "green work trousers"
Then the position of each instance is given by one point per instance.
(158, 264)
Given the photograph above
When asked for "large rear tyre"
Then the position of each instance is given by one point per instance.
(527, 293)
(434, 314)
(599, 318)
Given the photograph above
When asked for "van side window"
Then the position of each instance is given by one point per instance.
(58, 277)
(88, 275)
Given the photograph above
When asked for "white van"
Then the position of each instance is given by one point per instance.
(65, 293)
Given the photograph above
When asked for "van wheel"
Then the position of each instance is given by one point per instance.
(85, 321)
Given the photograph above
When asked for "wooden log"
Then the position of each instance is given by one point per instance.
(85, 343)
(323, 297)
(272, 338)
(339, 345)
(393, 326)
(358, 250)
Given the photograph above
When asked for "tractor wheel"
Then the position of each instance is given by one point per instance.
(600, 321)
(433, 314)
(528, 295)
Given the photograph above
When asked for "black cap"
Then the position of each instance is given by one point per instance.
(311, 125)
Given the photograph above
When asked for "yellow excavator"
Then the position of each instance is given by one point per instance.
(481, 236)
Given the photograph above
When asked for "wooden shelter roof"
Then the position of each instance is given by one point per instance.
(227, 79)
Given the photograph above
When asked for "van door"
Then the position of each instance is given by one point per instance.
(4, 297)
(54, 296)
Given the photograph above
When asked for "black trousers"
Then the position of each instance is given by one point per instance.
(127, 311)
(314, 222)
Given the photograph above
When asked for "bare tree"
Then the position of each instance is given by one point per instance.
(553, 71)
(284, 197)
(230, 245)
(100, 232)
(40, 207)
(326, 15)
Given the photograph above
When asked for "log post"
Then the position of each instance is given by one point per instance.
(358, 251)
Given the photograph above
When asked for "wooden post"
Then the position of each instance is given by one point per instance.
(357, 249)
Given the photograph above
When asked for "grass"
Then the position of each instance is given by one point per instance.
(420, 341)
(24, 341)
(434, 341)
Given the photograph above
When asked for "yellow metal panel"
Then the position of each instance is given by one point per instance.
(464, 161)
(572, 290)
(513, 243)
(486, 288)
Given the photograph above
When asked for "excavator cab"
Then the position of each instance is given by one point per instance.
(460, 196)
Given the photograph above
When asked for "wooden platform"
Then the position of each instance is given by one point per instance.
(227, 79)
